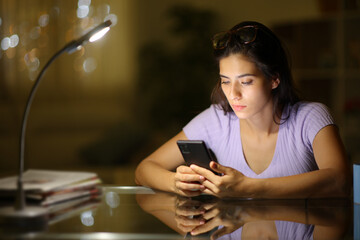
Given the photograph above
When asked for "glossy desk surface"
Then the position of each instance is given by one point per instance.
(141, 213)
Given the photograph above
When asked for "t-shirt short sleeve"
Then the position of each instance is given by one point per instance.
(312, 118)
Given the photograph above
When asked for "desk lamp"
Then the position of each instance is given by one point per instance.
(20, 210)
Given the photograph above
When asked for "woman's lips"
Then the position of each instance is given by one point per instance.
(238, 107)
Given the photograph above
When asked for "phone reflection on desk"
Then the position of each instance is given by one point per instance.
(209, 217)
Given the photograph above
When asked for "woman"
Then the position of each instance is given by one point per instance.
(268, 143)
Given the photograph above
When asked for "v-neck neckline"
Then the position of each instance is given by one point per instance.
(273, 160)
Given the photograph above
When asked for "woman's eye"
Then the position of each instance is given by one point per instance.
(225, 82)
(247, 82)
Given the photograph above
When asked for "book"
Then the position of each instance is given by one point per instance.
(64, 210)
(46, 187)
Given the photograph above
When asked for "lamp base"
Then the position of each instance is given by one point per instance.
(27, 212)
(30, 219)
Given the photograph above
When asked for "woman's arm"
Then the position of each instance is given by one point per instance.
(157, 170)
(164, 209)
(331, 180)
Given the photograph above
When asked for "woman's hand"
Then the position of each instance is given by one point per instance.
(230, 218)
(187, 182)
(198, 217)
(188, 214)
(231, 183)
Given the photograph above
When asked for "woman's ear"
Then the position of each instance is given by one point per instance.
(275, 83)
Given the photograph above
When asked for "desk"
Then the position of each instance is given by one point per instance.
(141, 213)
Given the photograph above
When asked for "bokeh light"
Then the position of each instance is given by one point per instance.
(84, 3)
(112, 18)
(87, 218)
(31, 60)
(14, 40)
(82, 11)
(35, 32)
(5, 43)
(89, 64)
(112, 199)
(44, 20)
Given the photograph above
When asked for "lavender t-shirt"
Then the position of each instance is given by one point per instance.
(293, 153)
(284, 229)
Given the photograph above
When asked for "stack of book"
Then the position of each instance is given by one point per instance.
(46, 188)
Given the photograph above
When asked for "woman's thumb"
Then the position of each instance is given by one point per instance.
(217, 167)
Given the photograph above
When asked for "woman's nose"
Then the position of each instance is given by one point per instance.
(235, 91)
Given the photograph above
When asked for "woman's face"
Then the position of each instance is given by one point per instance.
(245, 87)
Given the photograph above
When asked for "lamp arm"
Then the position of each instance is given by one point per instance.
(72, 46)
(20, 196)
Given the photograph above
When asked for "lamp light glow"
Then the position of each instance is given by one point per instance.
(74, 45)
(20, 211)
(99, 34)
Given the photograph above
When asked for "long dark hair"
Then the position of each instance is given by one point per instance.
(268, 54)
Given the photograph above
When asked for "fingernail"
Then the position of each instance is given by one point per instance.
(202, 177)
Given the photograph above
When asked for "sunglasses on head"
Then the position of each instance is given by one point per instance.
(245, 35)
